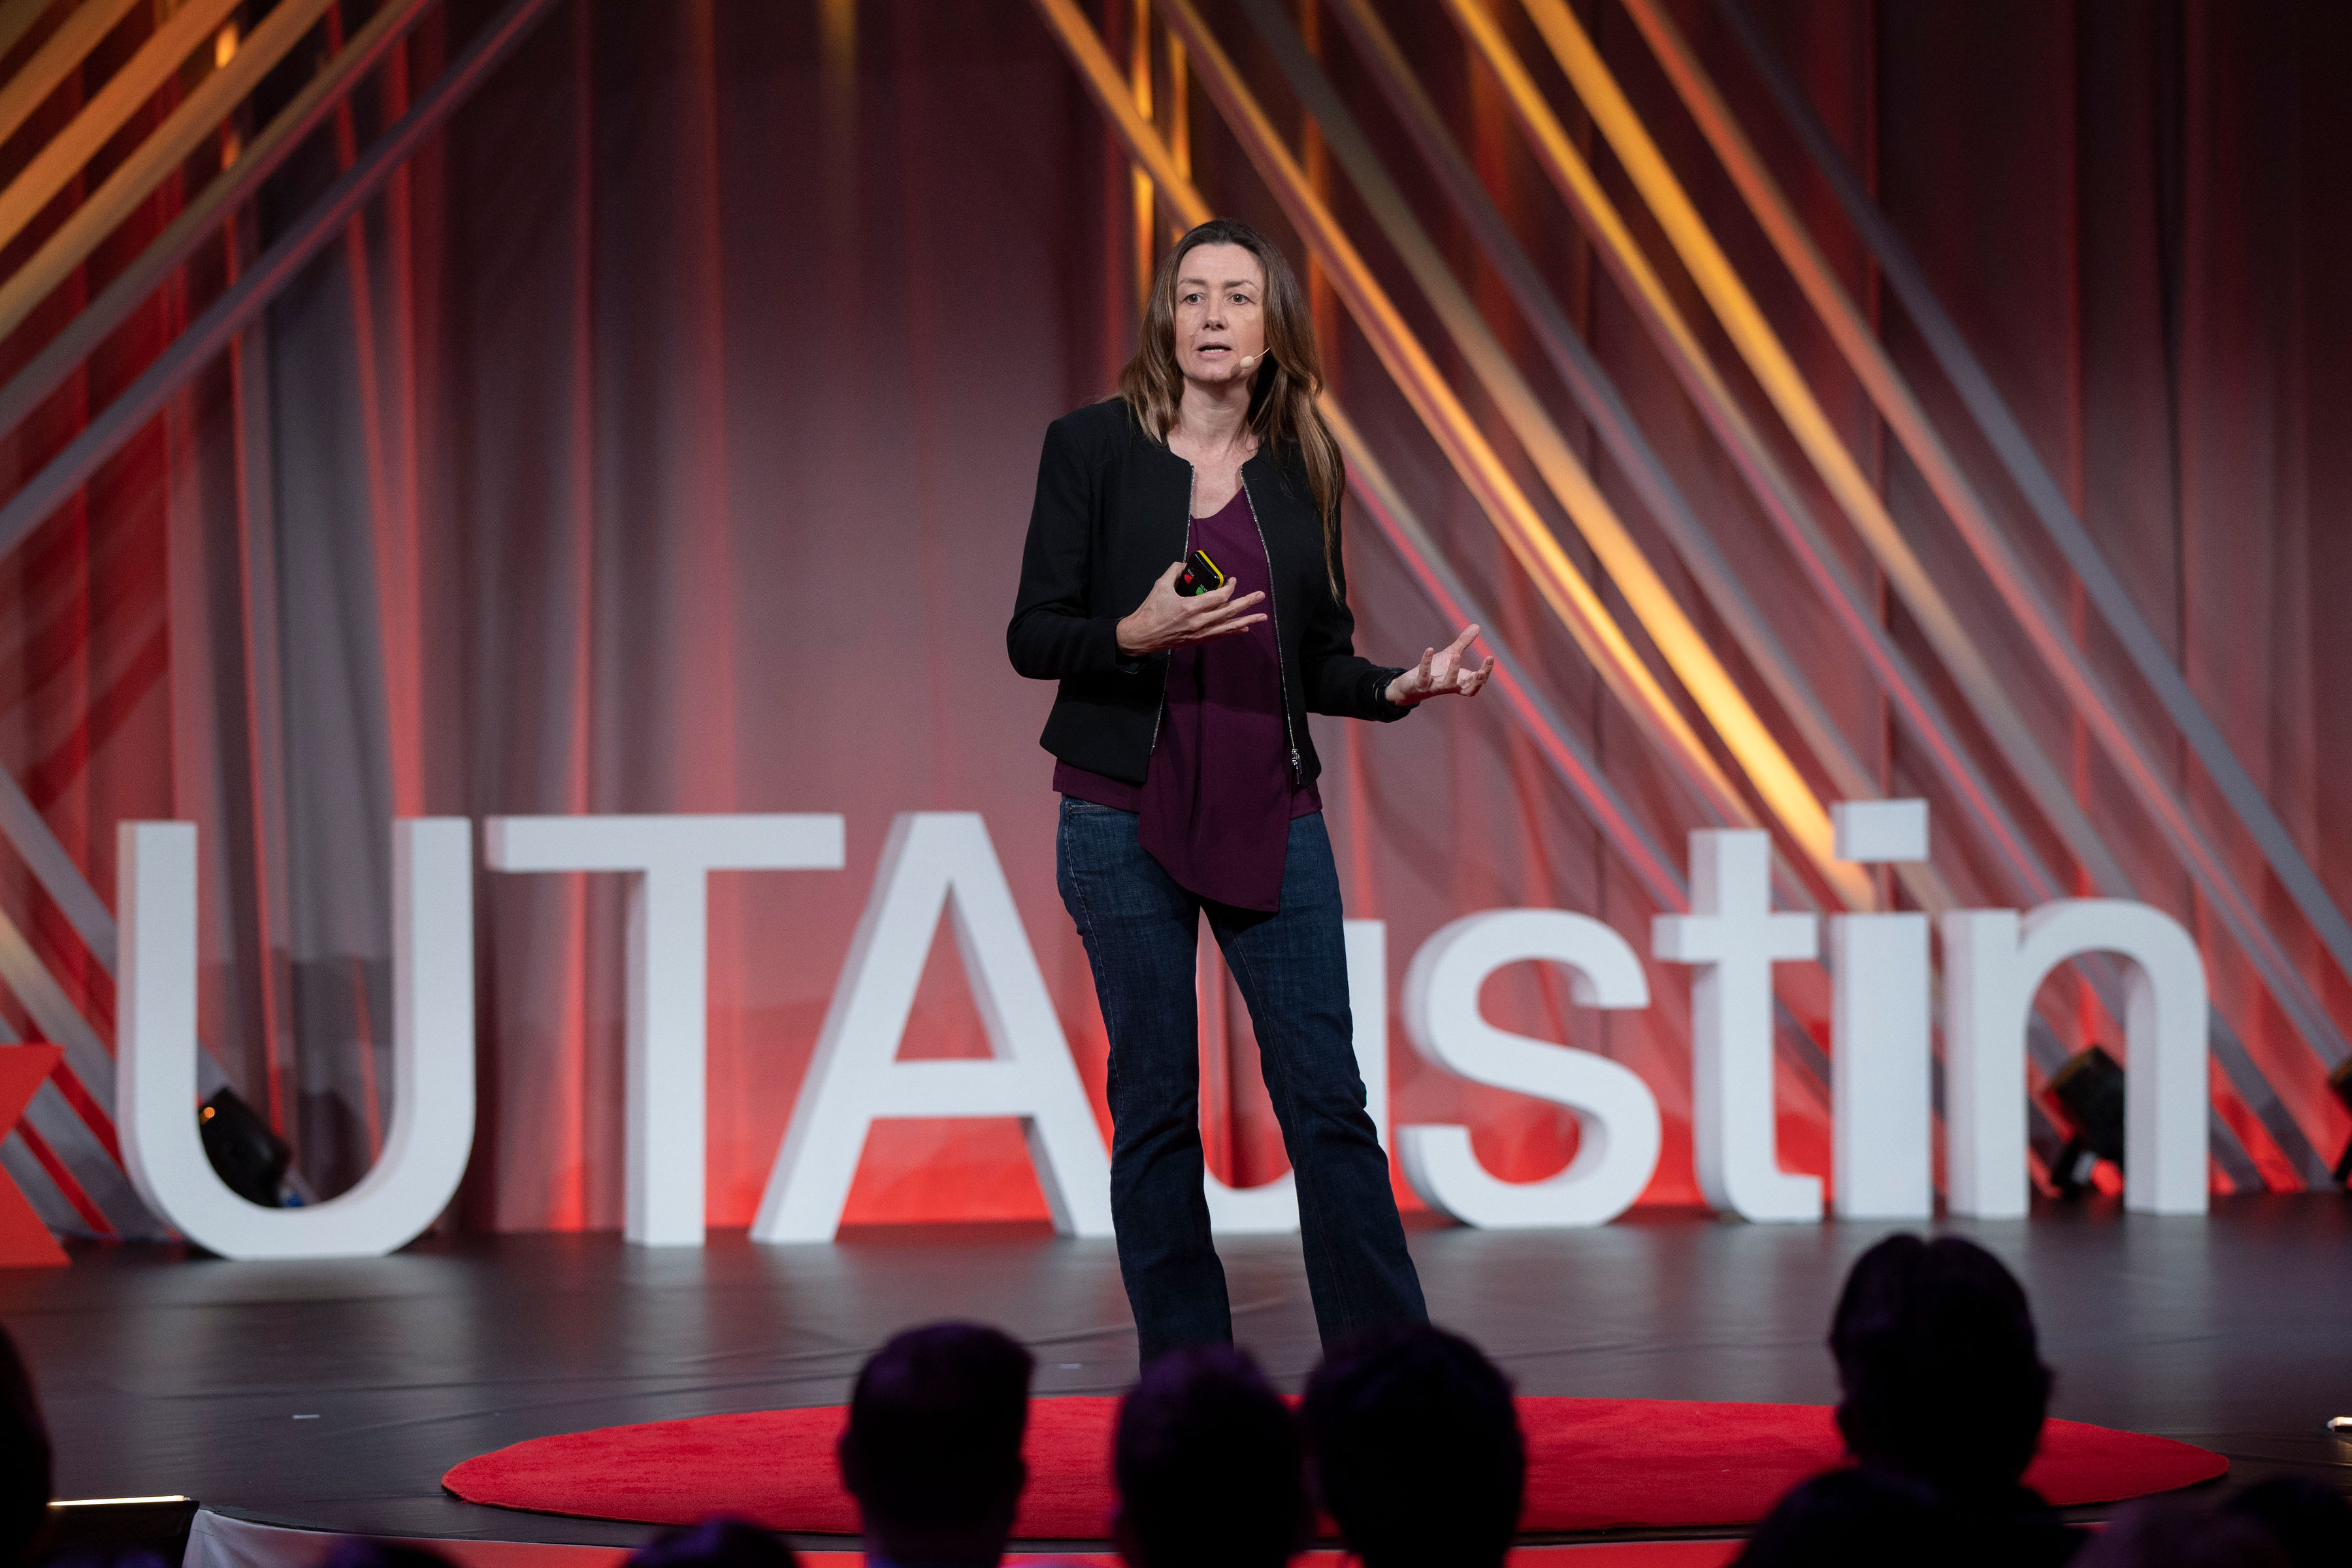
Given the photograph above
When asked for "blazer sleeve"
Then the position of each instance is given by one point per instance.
(1338, 681)
(1055, 633)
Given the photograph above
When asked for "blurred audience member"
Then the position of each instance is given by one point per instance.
(932, 1451)
(1945, 1393)
(2311, 1524)
(361, 1552)
(1937, 1357)
(717, 1542)
(1208, 1466)
(1415, 1449)
(2184, 1533)
(1857, 1519)
(24, 1460)
(1944, 1404)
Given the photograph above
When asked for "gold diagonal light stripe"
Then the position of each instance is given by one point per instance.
(1575, 179)
(1745, 323)
(16, 19)
(105, 115)
(198, 115)
(1139, 80)
(1768, 768)
(1854, 611)
(1567, 169)
(2143, 772)
(1385, 60)
(57, 57)
(1377, 493)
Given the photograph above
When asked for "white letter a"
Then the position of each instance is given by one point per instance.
(933, 859)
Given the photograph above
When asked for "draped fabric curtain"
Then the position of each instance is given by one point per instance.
(662, 441)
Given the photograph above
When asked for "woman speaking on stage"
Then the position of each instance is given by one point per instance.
(1182, 580)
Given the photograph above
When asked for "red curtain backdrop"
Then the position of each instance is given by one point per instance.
(663, 438)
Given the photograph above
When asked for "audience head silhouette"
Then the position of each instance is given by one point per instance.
(2311, 1522)
(932, 1451)
(1855, 1519)
(1416, 1449)
(1208, 1466)
(24, 1460)
(2184, 1533)
(716, 1542)
(1935, 1354)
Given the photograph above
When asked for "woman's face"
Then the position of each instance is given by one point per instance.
(1219, 312)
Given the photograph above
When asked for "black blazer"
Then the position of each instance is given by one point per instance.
(1110, 515)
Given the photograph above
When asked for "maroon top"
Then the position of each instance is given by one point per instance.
(1218, 796)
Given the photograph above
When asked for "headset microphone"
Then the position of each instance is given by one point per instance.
(1249, 361)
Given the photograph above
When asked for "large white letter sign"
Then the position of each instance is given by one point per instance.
(1735, 938)
(1993, 963)
(1271, 1207)
(432, 1052)
(1617, 1116)
(670, 971)
(1881, 1121)
(933, 859)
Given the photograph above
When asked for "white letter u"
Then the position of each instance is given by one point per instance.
(431, 1132)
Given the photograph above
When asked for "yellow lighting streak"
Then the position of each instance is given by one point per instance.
(837, 33)
(1774, 370)
(1618, 249)
(1180, 106)
(1712, 270)
(225, 45)
(63, 155)
(1686, 651)
(1138, 76)
(1117, 99)
(198, 117)
(1766, 765)
(1555, 576)
(59, 54)
(16, 19)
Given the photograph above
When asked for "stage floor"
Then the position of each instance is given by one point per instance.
(333, 1395)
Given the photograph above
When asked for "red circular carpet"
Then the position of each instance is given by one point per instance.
(1592, 1464)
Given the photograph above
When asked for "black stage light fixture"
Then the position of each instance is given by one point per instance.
(2340, 1080)
(250, 1158)
(2090, 1088)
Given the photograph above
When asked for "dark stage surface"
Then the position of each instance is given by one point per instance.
(335, 1395)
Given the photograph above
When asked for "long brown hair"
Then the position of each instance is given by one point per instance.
(1281, 410)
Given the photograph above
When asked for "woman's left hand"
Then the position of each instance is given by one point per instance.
(1442, 673)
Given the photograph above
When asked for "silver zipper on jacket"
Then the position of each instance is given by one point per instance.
(1298, 773)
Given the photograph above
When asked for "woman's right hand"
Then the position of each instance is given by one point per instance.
(1167, 619)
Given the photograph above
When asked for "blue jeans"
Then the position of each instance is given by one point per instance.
(1140, 932)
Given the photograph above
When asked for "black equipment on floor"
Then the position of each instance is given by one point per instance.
(250, 1158)
(2090, 1088)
